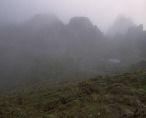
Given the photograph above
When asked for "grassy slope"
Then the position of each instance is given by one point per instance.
(103, 96)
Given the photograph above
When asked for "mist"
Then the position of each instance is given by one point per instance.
(72, 58)
(101, 12)
(50, 39)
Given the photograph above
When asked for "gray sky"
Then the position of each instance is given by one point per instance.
(101, 12)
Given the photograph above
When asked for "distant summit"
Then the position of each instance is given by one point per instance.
(80, 23)
(43, 20)
(120, 26)
(83, 27)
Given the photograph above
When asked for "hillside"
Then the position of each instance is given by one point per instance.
(109, 96)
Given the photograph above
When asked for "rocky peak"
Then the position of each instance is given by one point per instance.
(43, 20)
(120, 26)
(80, 24)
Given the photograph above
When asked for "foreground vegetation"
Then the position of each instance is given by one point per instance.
(110, 96)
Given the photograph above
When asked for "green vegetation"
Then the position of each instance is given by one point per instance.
(110, 96)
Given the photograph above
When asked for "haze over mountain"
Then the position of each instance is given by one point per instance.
(72, 58)
(120, 26)
(101, 12)
(43, 47)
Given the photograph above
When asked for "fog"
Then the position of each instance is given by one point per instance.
(69, 39)
(101, 12)
(63, 58)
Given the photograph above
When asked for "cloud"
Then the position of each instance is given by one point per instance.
(101, 12)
